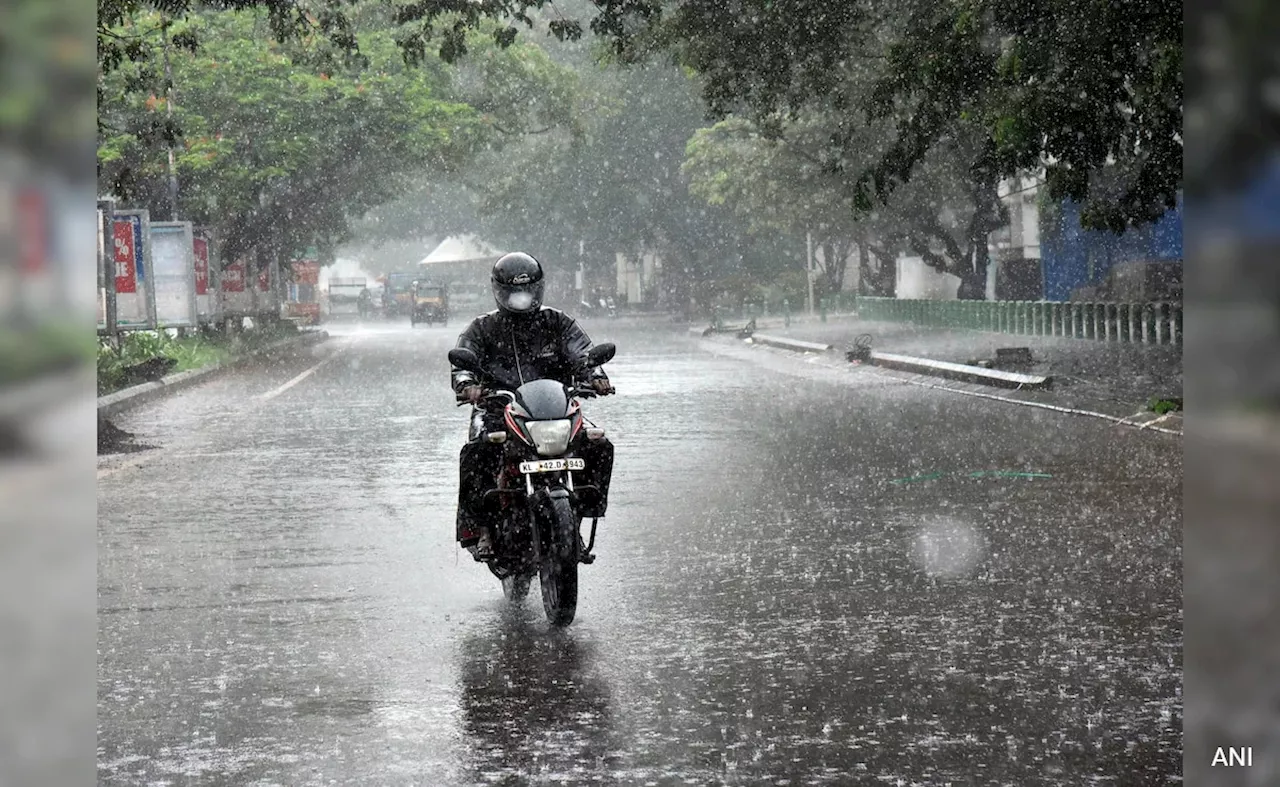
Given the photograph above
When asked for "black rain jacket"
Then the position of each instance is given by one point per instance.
(547, 344)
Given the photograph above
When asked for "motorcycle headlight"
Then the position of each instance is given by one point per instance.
(551, 438)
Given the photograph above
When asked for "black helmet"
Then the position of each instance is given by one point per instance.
(517, 283)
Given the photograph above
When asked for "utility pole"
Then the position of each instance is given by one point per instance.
(808, 238)
(168, 110)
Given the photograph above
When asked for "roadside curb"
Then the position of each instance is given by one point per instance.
(1027, 397)
(962, 372)
(139, 394)
(925, 366)
(796, 345)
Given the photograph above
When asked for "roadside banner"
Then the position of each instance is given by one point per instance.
(207, 300)
(131, 252)
(236, 297)
(173, 274)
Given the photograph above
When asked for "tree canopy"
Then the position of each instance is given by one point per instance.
(1090, 92)
(277, 147)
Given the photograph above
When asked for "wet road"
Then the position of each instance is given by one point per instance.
(798, 583)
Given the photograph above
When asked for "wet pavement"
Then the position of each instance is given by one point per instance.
(797, 583)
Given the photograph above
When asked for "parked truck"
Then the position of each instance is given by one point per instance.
(344, 296)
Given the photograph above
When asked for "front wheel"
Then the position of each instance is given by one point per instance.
(516, 587)
(558, 574)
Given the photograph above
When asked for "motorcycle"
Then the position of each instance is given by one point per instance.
(540, 529)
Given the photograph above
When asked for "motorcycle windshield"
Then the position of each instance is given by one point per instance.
(543, 400)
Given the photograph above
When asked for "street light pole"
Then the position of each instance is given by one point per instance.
(808, 237)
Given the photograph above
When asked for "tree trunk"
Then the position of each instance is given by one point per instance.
(879, 269)
(988, 216)
(833, 263)
(973, 278)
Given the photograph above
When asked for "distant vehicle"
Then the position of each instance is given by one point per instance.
(396, 294)
(344, 296)
(430, 303)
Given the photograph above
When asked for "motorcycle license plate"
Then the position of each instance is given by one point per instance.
(552, 465)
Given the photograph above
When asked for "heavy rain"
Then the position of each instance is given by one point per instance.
(878, 308)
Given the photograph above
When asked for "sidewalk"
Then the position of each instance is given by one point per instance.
(1114, 378)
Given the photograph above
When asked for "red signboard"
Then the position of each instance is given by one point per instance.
(31, 206)
(122, 243)
(306, 272)
(233, 277)
(202, 266)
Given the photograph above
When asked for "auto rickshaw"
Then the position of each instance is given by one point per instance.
(429, 303)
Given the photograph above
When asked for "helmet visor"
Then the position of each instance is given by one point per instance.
(519, 299)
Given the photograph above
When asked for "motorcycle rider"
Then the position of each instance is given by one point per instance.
(521, 340)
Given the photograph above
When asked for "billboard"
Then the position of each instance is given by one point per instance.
(173, 274)
(206, 268)
(131, 253)
(236, 298)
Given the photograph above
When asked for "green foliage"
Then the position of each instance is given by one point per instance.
(46, 106)
(272, 149)
(190, 352)
(611, 180)
(1090, 91)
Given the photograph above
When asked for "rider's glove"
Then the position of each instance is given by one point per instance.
(602, 386)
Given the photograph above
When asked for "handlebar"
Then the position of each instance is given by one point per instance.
(492, 397)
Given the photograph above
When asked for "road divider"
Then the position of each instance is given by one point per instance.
(138, 394)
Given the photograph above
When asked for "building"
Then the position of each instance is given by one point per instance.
(637, 277)
(1144, 263)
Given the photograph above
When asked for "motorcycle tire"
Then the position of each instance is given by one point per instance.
(558, 574)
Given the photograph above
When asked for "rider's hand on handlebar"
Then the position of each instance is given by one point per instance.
(602, 386)
(472, 393)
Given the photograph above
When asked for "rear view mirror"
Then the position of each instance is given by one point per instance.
(465, 360)
(601, 354)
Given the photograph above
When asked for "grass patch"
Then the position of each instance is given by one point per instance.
(189, 352)
(1161, 406)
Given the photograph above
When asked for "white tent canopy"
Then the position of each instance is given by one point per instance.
(461, 248)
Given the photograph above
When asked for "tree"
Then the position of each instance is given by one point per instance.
(610, 180)
(1090, 91)
(279, 155)
(793, 182)
(780, 186)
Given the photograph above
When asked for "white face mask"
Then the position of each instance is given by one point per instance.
(520, 301)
